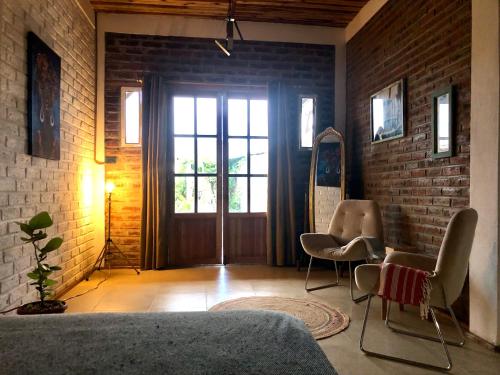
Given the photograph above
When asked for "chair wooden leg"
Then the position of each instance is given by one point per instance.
(384, 308)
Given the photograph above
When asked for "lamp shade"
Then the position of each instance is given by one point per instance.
(110, 186)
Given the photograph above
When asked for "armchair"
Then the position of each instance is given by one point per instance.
(448, 272)
(355, 233)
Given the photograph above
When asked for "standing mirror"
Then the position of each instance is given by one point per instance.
(326, 179)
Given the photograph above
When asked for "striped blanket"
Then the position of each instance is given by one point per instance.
(405, 285)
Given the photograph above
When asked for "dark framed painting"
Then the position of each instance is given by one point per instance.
(328, 169)
(44, 82)
(387, 117)
(442, 123)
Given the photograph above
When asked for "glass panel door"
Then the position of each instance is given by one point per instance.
(219, 160)
(197, 185)
(245, 174)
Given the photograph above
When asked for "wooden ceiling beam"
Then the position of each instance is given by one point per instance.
(333, 13)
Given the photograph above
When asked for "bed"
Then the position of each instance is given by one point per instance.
(232, 342)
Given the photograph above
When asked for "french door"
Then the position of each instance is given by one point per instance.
(219, 152)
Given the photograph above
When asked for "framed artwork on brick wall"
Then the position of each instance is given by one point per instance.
(44, 82)
(442, 123)
(387, 118)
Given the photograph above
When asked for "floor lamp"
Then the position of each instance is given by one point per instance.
(110, 247)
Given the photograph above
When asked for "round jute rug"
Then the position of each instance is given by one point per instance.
(322, 320)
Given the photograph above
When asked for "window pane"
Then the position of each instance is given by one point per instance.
(237, 156)
(207, 155)
(237, 117)
(184, 194)
(238, 194)
(258, 156)
(307, 122)
(184, 154)
(132, 116)
(207, 194)
(258, 194)
(183, 115)
(258, 118)
(206, 116)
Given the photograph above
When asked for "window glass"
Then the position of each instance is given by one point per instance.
(183, 115)
(258, 118)
(237, 117)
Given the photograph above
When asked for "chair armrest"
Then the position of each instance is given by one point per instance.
(368, 278)
(420, 261)
(317, 241)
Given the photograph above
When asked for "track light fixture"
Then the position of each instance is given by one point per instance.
(227, 45)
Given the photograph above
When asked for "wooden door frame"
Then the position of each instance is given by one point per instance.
(222, 93)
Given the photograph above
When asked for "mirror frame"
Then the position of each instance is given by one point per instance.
(312, 173)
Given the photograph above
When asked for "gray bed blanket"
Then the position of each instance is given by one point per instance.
(233, 342)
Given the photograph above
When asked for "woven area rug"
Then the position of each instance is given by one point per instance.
(322, 320)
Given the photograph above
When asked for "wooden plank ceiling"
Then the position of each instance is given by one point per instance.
(334, 13)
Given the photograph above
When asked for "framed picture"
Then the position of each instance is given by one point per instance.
(44, 78)
(442, 123)
(387, 113)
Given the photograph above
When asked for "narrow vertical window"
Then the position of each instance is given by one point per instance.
(131, 116)
(307, 121)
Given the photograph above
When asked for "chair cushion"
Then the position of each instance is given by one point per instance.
(353, 218)
(319, 245)
(324, 246)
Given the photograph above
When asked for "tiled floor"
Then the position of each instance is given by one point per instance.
(200, 288)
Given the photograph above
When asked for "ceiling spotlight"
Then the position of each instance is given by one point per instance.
(227, 45)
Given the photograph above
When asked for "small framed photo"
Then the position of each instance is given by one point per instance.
(442, 123)
(387, 118)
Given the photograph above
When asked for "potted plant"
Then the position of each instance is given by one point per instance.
(35, 229)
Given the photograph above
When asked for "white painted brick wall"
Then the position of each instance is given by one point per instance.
(326, 199)
(29, 184)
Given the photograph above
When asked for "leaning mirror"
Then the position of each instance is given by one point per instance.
(326, 179)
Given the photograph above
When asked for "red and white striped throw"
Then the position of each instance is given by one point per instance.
(405, 285)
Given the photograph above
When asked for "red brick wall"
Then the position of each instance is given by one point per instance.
(428, 43)
(309, 68)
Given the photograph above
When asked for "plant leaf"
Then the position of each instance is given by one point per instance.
(50, 282)
(40, 221)
(52, 245)
(25, 228)
(33, 275)
(55, 268)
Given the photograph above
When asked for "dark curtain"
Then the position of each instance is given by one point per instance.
(281, 234)
(154, 174)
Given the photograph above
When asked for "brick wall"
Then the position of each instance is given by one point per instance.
(29, 184)
(427, 42)
(310, 68)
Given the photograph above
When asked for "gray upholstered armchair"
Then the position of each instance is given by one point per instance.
(448, 273)
(355, 233)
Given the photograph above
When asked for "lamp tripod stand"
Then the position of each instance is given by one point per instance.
(107, 251)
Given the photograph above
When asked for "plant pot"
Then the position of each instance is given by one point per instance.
(48, 307)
